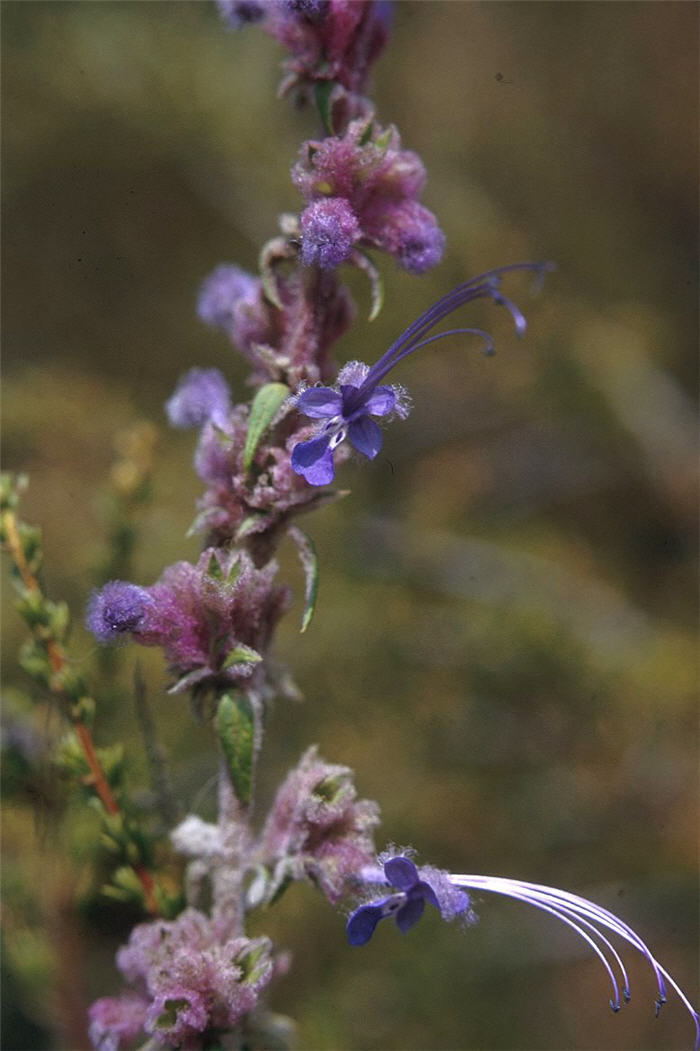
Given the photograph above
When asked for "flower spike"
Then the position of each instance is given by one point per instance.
(349, 409)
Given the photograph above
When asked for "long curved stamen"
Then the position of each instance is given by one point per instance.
(489, 347)
(482, 287)
(564, 905)
(596, 912)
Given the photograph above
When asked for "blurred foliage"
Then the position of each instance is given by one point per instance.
(504, 639)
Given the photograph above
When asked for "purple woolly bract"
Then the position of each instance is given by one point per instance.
(116, 1020)
(213, 620)
(232, 300)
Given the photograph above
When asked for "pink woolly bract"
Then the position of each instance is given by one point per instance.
(191, 976)
(317, 828)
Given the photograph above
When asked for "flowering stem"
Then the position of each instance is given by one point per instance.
(227, 880)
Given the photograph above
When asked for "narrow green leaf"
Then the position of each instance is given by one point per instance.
(367, 133)
(323, 93)
(309, 561)
(235, 724)
(250, 524)
(266, 404)
(364, 263)
(214, 568)
(274, 251)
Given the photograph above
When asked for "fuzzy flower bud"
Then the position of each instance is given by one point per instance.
(328, 228)
(239, 13)
(410, 233)
(116, 609)
(334, 40)
(201, 395)
(232, 300)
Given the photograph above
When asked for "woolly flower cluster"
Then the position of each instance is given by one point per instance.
(362, 189)
(189, 976)
(317, 829)
(327, 40)
(213, 620)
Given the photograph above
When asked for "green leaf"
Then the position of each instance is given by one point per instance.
(266, 404)
(323, 93)
(241, 655)
(10, 488)
(235, 724)
(382, 141)
(254, 961)
(34, 659)
(214, 568)
(273, 252)
(309, 561)
(367, 133)
(251, 524)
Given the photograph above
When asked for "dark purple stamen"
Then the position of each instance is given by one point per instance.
(485, 286)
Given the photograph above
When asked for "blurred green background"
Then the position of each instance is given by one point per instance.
(504, 646)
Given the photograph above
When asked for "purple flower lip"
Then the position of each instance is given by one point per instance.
(349, 408)
(406, 905)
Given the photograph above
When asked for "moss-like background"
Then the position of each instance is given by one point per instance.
(504, 641)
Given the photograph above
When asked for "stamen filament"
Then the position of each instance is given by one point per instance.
(484, 286)
(564, 905)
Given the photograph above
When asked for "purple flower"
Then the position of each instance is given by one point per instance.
(407, 904)
(328, 228)
(345, 418)
(349, 407)
(200, 395)
(589, 921)
(116, 609)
